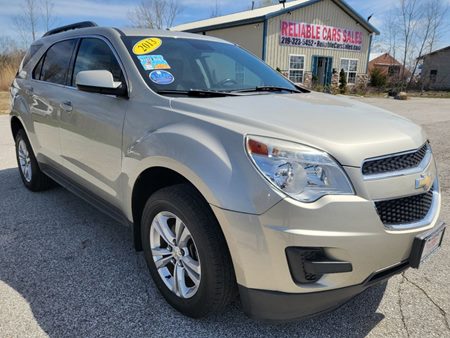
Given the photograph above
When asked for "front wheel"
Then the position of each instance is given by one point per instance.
(186, 252)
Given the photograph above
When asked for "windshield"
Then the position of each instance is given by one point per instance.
(174, 64)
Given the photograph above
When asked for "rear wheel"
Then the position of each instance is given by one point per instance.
(32, 177)
(186, 252)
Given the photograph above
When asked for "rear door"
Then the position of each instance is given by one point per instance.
(46, 91)
(91, 130)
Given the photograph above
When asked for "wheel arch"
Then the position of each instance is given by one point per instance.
(16, 125)
(148, 182)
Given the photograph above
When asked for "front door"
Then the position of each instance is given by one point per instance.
(91, 125)
(322, 70)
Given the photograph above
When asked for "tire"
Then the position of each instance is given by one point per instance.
(203, 246)
(32, 176)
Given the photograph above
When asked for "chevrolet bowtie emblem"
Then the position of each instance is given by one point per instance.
(424, 182)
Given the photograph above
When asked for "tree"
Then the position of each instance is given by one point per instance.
(409, 14)
(26, 23)
(215, 10)
(411, 28)
(35, 16)
(430, 22)
(155, 14)
(377, 78)
(47, 14)
(342, 82)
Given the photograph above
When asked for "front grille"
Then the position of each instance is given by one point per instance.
(395, 162)
(405, 210)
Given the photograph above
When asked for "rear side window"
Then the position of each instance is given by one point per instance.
(56, 63)
(37, 70)
(30, 53)
(95, 54)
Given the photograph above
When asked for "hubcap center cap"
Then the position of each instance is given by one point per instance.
(177, 252)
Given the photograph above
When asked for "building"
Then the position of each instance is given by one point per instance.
(435, 73)
(307, 40)
(388, 66)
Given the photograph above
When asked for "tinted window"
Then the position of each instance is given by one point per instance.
(30, 53)
(37, 70)
(57, 62)
(184, 64)
(95, 54)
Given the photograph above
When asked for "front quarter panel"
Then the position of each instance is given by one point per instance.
(211, 157)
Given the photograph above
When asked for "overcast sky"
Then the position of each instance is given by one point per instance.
(115, 12)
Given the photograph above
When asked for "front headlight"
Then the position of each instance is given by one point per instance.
(305, 174)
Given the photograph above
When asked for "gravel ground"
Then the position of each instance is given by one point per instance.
(68, 270)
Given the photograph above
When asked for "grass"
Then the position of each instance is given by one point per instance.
(4, 103)
(7, 74)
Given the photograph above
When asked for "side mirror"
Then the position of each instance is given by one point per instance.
(100, 81)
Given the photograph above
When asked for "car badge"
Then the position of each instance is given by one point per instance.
(424, 182)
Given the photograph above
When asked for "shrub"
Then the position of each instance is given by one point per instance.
(342, 82)
(377, 78)
(9, 63)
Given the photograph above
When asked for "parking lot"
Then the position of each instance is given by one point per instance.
(68, 270)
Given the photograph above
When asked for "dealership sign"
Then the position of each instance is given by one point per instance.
(319, 36)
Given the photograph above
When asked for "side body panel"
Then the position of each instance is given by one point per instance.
(91, 141)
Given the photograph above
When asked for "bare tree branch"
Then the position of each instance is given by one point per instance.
(409, 14)
(47, 9)
(215, 10)
(155, 14)
(430, 22)
(27, 22)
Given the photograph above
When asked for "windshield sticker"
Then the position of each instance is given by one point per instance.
(146, 46)
(152, 62)
(161, 77)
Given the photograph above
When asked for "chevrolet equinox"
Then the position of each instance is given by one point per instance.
(233, 180)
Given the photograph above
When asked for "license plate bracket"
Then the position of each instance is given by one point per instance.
(425, 245)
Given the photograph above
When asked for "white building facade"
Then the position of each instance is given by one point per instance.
(307, 40)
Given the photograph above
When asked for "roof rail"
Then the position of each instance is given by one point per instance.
(83, 24)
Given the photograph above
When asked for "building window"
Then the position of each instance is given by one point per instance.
(350, 67)
(433, 75)
(296, 68)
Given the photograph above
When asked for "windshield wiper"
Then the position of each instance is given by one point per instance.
(267, 89)
(197, 93)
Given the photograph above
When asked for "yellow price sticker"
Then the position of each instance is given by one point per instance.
(146, 46)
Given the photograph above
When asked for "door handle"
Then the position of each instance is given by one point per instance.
(66, 106)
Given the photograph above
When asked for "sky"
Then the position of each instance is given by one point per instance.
(116, 12)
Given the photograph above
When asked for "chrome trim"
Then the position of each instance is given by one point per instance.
(416, 170)
(427, 220)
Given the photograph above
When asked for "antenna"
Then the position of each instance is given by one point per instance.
(253, 5)
(282, 2)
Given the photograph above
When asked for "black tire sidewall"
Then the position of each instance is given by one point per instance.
(34, 166)
(197, 305)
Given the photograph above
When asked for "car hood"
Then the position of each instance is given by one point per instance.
(347, 129)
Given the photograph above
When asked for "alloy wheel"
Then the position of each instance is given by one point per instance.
(175, 254)
(25, 161)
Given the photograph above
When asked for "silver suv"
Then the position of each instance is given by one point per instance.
(234, 180)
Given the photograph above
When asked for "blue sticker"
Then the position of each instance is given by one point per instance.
(152, 62)
(161, 77)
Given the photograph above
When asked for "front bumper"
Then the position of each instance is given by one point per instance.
(280, 306)
(348, 229)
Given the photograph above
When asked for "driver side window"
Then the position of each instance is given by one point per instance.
(95, 54)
